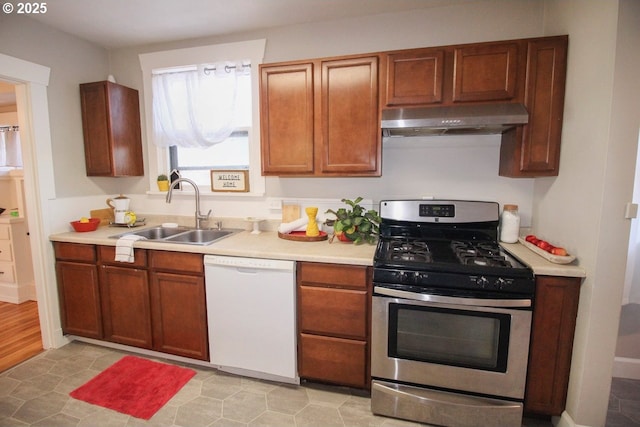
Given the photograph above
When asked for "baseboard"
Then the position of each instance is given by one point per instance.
(17, 294)
(565, 420)
(624, 367)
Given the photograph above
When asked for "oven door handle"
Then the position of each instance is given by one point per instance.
(477, 302)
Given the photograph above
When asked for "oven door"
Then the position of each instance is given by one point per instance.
(451, 343)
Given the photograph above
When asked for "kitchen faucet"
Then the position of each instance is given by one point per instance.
(199, 216)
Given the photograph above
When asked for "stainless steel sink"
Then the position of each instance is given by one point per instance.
(199, 237)
(183, 235)
(158, 233)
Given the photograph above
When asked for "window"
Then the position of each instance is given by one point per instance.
(10, 151)
(196, 163)
(193, 143)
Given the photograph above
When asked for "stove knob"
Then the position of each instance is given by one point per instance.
(482, 282)
(403, 276)
(501, 283)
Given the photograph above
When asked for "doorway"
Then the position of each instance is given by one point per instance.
(31, 81)
(627, 356)
(20, 337)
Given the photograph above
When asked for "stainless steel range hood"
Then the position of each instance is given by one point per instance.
(457, 120)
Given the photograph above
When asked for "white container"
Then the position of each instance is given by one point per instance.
(509, 224)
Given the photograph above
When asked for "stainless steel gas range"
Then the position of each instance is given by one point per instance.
(451, 317)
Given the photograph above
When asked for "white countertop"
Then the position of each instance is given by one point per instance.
(540, 266)
(268, 245)
(5, 218)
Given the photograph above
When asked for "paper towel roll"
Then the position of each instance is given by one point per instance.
(288, 227)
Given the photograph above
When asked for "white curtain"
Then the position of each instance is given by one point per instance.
(197, 108)
(10, 150)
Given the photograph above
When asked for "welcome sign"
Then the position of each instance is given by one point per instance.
(230, 181)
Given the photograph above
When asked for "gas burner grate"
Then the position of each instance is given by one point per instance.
(404, 250)
(479, 253)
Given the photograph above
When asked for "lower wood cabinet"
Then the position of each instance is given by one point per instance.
(178, 304)
(334, 306)
(554, 320)
(78, 291)
(157, 302)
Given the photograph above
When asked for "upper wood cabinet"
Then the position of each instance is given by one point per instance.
(527, 71)
(286, 113)
(485, 72)
(534, 149)
(321, 117)
(111, 125)
(414, 77)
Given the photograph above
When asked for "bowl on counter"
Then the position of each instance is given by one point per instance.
(80, 227)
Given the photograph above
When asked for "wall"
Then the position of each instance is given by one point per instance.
(584, 206)
(595, 162)
(445, 167)
(72, 61)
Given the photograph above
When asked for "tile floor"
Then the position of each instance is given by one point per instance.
(36, 393)
(624, 403)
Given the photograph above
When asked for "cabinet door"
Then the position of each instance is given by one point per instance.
(95, 122)
(124, 293)
(534, 149)
(349, 140)
(554, 319)
(485, 72)
(286, 114)
(414, 77)
(334, 360)
(79, 299)
(337, 312)
(333, 275)
(179, 315)
(111, 126)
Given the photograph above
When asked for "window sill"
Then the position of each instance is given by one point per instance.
(204, 194)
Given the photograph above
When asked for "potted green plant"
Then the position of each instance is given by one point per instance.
(355, 223)
(163, 182)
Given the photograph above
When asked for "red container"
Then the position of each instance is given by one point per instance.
(92, 225)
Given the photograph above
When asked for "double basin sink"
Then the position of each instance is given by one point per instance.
(189, 236)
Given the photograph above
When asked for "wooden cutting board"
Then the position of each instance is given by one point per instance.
(290, 213)
(106, 216)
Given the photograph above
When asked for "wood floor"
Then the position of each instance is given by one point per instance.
(20, 336)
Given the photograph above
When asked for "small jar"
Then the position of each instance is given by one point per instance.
(509, 224)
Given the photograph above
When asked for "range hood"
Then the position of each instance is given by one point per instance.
(456, 120)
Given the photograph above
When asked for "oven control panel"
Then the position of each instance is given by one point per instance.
(437, 211)
(452, 282)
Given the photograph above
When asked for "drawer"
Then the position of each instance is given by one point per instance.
(7, 272)
(336, 275)
(75, 251)
(5, 250)
(107, 255)
(5, 232)
(334, 360)
(181, 262)
(341, 312)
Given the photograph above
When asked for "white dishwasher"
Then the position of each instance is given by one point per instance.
(251, 315)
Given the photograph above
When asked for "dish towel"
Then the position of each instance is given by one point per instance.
(297, 225)
(124, 247)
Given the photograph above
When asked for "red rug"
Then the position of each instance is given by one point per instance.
(134, 386)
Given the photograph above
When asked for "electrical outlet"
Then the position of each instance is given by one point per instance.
(275, 204)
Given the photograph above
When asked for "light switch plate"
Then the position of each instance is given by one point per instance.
(631, 211)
